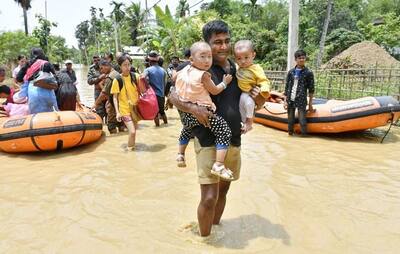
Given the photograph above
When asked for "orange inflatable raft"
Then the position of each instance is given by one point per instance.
(49, 131)
(334, 116)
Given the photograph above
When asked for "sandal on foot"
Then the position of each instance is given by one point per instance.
(222, 172)
(180, 159)
(129, 148)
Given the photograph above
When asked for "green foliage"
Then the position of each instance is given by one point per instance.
(117, 14)
(340, 39)
(264, 22)
(25, 5)
(134, 22)
(43, 32)
(386, 34)
(190, 30)
(182, 9)
(222, 7)
(377, 8)
(164, 39)
(15, 43)
(272, 14)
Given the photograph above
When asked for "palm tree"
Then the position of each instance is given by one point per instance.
(182, 9)
(118, 15)
(82, 35)
(253, 8)
(136, 17)
(26, 5)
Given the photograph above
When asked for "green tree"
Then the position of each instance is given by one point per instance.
(190, 29)
(95, 29)
(386, 34)
(43, 32)
(57, 49)
(273, 12)
(25, 5)
(15, 43)
(253, 9)
(117, 15)
(167, 31)
(222, 7)
(376, 8)
(324, 33)
(182, 9)
(82, 35)
(340, 39)
(135, 17)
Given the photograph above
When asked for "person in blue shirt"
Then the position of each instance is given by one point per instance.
(157, 78)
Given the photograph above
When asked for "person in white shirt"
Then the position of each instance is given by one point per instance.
(21, 62)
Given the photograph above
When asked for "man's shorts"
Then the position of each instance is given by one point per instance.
(205, 158)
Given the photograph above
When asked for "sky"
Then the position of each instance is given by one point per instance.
(67, 14)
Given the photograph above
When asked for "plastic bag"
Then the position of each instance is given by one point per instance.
(147, 104)
(45, 80)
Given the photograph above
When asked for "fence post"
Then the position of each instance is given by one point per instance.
(341, 83)
(329, 87)
(398, 95)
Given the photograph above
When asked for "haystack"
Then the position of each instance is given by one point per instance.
(364, 54)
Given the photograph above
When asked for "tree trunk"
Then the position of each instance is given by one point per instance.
(116, 36)
(25, 21)
(324, 32)
(134, 35)
(86, 56)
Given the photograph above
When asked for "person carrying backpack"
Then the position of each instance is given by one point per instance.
(107, 98)
(125, 98)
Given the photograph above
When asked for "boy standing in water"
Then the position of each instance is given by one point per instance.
(299, 80)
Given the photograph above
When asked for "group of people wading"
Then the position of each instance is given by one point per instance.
(215, 95)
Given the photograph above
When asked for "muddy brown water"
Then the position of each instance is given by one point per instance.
(323, 194)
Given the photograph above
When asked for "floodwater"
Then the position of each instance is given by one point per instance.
(323, 194)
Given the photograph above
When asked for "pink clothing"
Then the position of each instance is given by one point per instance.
(34, 68)
(10, 97)
(190, 88)
(16, 109)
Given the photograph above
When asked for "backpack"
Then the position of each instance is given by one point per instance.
(121, 85)
(147, 103)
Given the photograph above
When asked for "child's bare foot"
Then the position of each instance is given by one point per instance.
(246, 127)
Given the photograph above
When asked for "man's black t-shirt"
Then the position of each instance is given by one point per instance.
(227, 103)
(182, 65)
